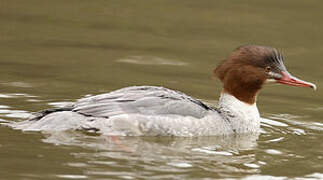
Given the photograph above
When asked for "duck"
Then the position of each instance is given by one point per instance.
(159, 111)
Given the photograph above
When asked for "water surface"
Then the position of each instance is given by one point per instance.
(54, 52)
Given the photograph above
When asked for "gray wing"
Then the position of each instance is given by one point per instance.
(148, 100)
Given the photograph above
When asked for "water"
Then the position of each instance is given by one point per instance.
(54, 52)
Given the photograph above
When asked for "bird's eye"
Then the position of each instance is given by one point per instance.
(268, 68)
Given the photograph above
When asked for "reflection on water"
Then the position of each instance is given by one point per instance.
(54, 52)
(229, 145)
(160, 155)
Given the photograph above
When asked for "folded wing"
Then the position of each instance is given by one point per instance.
(148, 100)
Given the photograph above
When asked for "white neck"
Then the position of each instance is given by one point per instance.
(242, 116)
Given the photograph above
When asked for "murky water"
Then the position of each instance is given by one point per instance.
(54, 52)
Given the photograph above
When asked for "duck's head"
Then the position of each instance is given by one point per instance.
(249, 67)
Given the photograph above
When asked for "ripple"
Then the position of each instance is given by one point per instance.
(296, 121)
(15, 95)
(180, 164)
(251, 165)
(17, 84)
(79, 165)
(5, 96)
(262, 162)
(298, 131)
(34, 100)
(315, 176)
(15, 113)
(264, 177)
(276, 140)
(318, 124)
(284, 116)
(102, 162)
(19, 115)
(203, 150)
(5, 111)
(60, 104)
(315, 109)
(4, 121)
(126, 177)
(106, 173)
(273, 123)
(273, 152)
(151, 60)
(4, 107)
(294, 125)
(70, 176)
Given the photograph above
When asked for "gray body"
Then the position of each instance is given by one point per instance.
(145, 111)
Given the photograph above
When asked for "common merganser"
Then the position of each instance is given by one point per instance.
(158, 111)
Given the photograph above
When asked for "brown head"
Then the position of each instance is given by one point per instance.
(248, 67)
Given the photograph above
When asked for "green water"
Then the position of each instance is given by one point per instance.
(53, 52)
